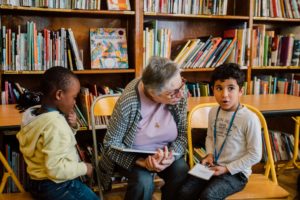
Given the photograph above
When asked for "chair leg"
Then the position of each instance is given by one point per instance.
(98, 182)
(293, 161)
(9, 172)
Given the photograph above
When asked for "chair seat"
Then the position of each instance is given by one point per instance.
(16, 196)
(259, 187)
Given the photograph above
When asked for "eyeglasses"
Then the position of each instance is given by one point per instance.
(178, 90)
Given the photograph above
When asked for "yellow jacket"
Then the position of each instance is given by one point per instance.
(48, 145)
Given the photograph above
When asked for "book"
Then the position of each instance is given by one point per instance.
(138, 150)
(108, 48)
(201, 171)
(118, 4)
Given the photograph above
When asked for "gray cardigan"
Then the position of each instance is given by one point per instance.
(123, 127)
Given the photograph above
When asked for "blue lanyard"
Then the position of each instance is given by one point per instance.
(217, 155)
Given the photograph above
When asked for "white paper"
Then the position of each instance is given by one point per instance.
(201, 171)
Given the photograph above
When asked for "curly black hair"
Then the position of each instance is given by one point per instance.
(56, 78)
(228, 71)
(53, 79)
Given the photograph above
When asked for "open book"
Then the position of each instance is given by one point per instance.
(139, 151)
(201, 171)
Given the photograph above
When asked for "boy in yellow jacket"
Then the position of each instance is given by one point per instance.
(47, 141)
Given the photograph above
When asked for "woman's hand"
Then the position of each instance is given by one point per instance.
(157, 162)
(161, 160)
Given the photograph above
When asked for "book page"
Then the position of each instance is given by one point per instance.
(201, 171)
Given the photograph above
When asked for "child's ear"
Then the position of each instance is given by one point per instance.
(242, 90)
(58, 94)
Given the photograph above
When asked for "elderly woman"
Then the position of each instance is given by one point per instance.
(150, 115)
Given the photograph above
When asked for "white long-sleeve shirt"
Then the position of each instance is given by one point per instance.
(243, 146)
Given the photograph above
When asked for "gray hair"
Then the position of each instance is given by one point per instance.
(158, 72)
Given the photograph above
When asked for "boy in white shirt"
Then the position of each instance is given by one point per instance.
(233, 142)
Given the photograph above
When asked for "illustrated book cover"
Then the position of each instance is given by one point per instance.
(108, 48)
(118, 4)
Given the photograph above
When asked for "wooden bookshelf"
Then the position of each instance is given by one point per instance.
(182, 26)
(10, 9)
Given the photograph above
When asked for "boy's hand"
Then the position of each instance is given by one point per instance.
(72, 119)
(89, 167)
(219, 170)
(208, 160)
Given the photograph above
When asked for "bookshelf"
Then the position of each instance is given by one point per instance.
(80, 21)
(239, 13)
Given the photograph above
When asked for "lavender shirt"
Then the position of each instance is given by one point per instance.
(157, 127)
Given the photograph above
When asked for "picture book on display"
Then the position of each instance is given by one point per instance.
(118, 4)
(108, 48)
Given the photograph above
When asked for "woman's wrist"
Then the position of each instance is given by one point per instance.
(140, 162)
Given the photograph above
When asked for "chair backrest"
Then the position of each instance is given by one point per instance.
(101, 106)
(104, 105)
(198, 118)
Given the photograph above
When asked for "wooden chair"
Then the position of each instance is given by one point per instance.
(259, 186)
(102, 106)
(22, 195)
(16, 196)
(9, 173)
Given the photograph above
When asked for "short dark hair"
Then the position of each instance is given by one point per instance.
(56, 78)
(228, 71)
(158, 72)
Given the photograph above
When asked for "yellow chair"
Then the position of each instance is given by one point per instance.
(16, 196)
(102, 106)
(259, 186)
(9, 173)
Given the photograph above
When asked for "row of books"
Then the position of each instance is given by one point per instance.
(277, 8)
(268, 84)
(156, 41)
(212, 51)
(195, 7)
(282, 145)
(198, 154)
(57, 4)
(11, 93)
(35, 50)
(274, 50)
(69, 4)
(17, 163)
(198, 89)
(203, 89)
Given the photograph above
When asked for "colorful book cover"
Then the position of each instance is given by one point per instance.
(108, 48)
(118, 4)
